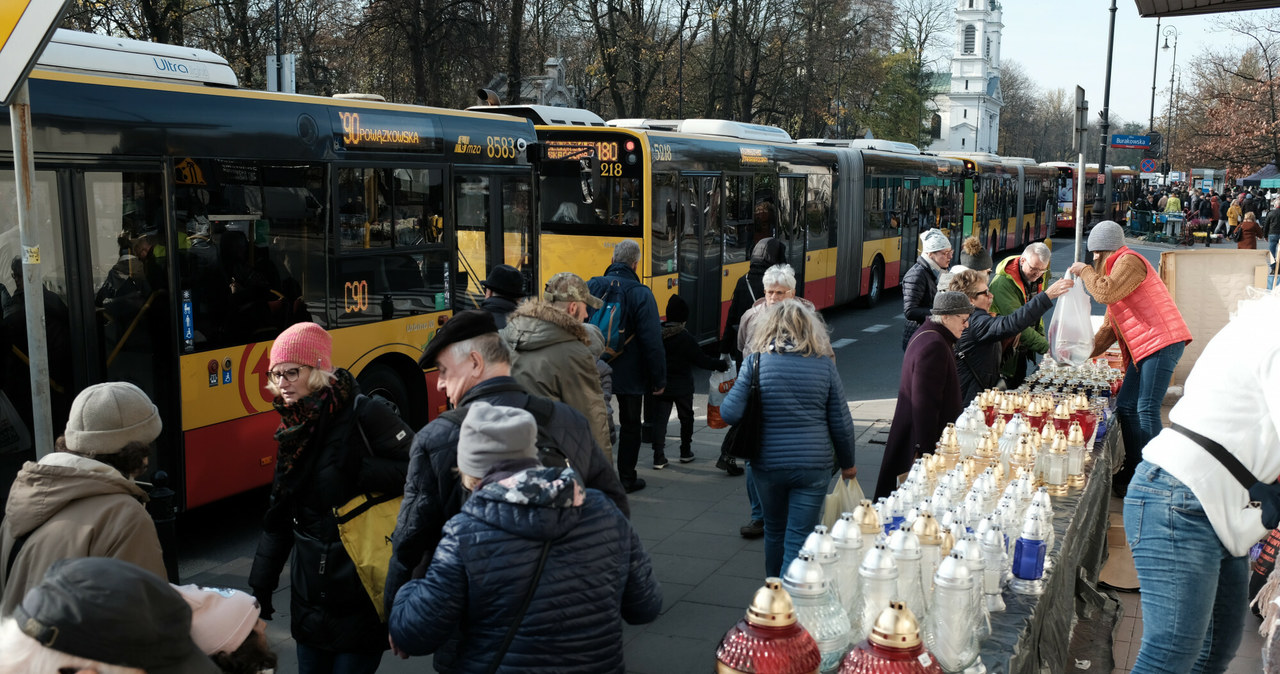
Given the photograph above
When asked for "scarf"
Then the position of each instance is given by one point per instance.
(299, 421)
(671, 329)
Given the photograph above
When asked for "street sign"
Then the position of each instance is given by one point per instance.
(1131, 142)
(1081, 121)
(1148, 166)
(25, 28)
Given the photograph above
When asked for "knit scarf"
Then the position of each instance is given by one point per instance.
(298, 422)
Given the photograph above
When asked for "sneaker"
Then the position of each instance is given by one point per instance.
(632, 485)
(729, 465)
(660, 461)
(686, 456)
(755, 529)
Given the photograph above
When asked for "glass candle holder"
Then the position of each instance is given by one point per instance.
(817, 608)
(768, 640)
(951, 633)
(848, 539)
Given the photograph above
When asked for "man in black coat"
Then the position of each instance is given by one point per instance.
(474, 364)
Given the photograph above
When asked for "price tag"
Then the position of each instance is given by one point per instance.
(31, 255)
(925, 660)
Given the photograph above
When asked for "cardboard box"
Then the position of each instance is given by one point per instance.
(1206, 285)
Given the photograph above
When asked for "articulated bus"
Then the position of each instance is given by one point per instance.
(1008, 201)
(183, 223)
(1124, 184)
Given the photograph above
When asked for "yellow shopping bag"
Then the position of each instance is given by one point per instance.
(365, 524)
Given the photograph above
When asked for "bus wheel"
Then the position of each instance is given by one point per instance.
(382, 381)
(876, 291)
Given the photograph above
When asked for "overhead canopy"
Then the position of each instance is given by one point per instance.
(1165, 8)
(1255, 180)
(1270, 182)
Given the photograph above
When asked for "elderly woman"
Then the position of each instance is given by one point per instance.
(1152, 335)
(928, 391)
(978, 351)
(537, 572)
(920, 283)
(334, 444)
(1250, 232)
(805, 417)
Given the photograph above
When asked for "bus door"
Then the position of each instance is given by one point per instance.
(791, 230)
(494, 226)
(914, 224)
(699, 254)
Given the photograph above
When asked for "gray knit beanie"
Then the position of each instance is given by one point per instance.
(950, 303)
(934, 241)
(106, 417)
(1106, 235)
(492, 434)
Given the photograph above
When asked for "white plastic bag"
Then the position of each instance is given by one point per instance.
(719, 385)
(1071, 330)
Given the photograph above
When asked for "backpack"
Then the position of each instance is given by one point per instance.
(542, 409)
(610, 318)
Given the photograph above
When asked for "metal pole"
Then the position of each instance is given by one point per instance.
(1102, 197)
(1151, 119)
(1168, 143)
(24, 164)
(1081, 181)
(279, 51)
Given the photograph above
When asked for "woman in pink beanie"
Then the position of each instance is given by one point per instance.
(334, 444)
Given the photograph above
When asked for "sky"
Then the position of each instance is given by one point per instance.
(1064, 44)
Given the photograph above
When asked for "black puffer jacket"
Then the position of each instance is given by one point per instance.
(978, 351)
(919, 286)
(433, 492)
(330, 609)
(597, 574)
(767, 252)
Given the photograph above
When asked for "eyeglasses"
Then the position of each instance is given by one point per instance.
(1038, 270)
(984, 291)
(287, 375)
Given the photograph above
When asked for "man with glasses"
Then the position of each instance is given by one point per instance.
(1017, 280)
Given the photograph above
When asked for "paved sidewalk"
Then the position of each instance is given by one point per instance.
(688, 518)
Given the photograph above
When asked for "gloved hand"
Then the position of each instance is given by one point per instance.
(264, 603)
(1267, 494)
(723, 366)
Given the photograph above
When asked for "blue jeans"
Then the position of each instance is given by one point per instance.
(757, 513)
(1192, 608)
(791, 499)
(1138, 404)
(1272, 240)
(317, 661)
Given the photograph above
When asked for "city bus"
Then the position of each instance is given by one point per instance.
(1124, 185)
(184, 222)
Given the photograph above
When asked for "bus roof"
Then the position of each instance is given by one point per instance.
(547, 115)
(720, 127)
(864, 144)
(73, 51)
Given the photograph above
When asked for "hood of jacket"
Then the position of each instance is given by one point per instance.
(768, 252)
(536, 324)
(536, 503)
(622, 271)
(43, 489)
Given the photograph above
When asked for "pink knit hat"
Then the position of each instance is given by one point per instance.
(221, 619)
(304, 344)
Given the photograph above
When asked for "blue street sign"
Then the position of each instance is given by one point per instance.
(1131, 142)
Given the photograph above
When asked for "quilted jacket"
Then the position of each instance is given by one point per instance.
(806, 422)
(919, 285)
(596, 575)
(641, 367)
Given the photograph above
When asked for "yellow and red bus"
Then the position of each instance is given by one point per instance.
(1122, 185)
(1008, 201)
(184, 222)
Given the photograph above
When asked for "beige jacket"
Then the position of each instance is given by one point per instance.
(72, 507)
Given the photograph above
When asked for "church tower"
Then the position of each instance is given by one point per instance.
(971, 110)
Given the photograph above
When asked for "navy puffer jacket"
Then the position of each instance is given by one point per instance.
(642, 366)
(806, 418)
(596, 575)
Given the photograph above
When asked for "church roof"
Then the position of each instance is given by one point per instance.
(940, 83)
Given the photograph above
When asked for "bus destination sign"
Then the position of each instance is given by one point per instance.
(571, 150)
(372, 130)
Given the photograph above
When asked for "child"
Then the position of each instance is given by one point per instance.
(683, 354)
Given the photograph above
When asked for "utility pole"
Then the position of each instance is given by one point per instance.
(1155, 64)
(1102, 197)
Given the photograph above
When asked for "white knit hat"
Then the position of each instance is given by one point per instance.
(106, 417)
(492, 434)
(935, 240)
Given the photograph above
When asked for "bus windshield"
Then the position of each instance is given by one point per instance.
(572, 201)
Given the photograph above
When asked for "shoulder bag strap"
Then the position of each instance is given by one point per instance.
(1227, 459)
(524, 606)
(963, 357)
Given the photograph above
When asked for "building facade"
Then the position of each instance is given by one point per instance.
(967, 114)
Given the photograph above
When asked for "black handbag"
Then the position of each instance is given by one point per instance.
(743, 439)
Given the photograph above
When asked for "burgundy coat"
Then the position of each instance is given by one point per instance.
(928, 399)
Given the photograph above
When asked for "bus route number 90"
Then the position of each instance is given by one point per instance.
(355, 296)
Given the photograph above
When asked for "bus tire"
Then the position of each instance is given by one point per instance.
(382, 381)
(876, 290)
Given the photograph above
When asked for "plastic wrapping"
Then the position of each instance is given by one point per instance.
(1071, 330)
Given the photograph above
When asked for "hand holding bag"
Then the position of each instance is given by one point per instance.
(719, 385)
(743, 439)
(844, 497)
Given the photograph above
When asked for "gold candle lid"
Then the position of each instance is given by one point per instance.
(998, 427)
(1062, 411)
(1081, 401)
(926, 529)
(896, 627)
(950, 439)
(1059, 445)
(1076, 435)
(1007, 405)
(771, 607)
(867, 518)
(948, 542)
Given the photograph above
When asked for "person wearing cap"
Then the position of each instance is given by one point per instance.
(333, 444)
(103, 615)
(641, 368)
(920, 283)
(1018, 278)
(683, 354)
(81, 500)
(226, 626)
(978, 350)
(749, 290)
(502, 291)
(553, 355)
(474, 365)
(928, 390)
(1142, 316)
(527, 531)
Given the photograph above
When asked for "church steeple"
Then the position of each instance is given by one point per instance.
(972, 106)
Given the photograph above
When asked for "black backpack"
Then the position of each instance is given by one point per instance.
(542, 409)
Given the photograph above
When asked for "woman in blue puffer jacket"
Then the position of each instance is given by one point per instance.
(807, 428)
(523, 519)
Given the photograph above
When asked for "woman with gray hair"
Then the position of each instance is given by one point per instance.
(928, 391)
(920, 283)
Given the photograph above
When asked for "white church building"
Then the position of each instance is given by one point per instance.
(967, 114)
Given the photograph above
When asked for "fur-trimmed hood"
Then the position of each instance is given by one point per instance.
(536, 324)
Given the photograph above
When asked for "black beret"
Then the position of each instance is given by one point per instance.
(463, 326)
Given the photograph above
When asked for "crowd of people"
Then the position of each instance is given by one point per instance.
(512, 549)
(1246, 215)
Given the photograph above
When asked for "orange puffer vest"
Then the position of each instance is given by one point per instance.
(1146, 320)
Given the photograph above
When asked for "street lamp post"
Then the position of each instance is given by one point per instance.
(1170, 31)
(1102, 197)
(1155, 66)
